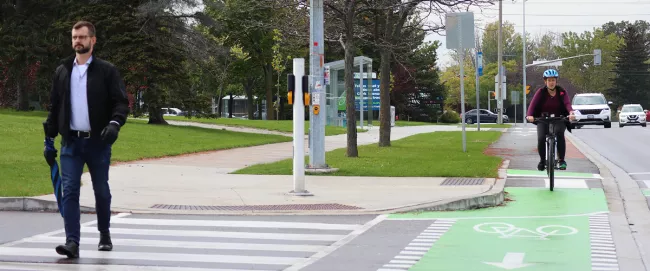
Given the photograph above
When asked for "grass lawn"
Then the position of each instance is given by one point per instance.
(416, 123)
(436, 154)
(25, 172)
(273, 125)
(488, 125)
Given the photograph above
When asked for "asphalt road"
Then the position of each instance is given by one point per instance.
(209, 242)
(626, 147)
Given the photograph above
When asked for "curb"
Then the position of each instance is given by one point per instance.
(491, 198)
(494, 196)
(34, 205)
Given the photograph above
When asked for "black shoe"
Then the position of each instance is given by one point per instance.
(541, 166)
(70, 249)
(105, 243)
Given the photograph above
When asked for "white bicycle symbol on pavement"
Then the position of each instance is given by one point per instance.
(506, 230)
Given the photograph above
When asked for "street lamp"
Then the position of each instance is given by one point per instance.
(524, 66)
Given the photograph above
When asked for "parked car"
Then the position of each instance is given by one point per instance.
(632, 115)
(591, 109)
(172, 111)
(486, 116)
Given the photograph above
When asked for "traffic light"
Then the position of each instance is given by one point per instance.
(527, 90)
(597, 57)
(291, 87)
(494, 94)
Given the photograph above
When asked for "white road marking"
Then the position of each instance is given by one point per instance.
(235, 224)
(172, 257)
(185, 244)
(101, 267)
(603, 250)
(251, 235)
(564, 183)
(58, 231)
(428, 237)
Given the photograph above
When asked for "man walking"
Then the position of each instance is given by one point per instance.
(88, 105)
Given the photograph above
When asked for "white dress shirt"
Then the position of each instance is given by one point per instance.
(80, 120)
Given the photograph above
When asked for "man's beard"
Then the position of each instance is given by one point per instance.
(82, 50)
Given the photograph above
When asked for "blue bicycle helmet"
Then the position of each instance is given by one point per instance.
(551, 73)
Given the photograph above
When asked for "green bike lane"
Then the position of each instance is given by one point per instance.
(537, 229)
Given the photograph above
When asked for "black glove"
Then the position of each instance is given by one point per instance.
(49, 151)
(109, 134)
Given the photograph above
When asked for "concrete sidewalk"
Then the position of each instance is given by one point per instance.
(200, 184)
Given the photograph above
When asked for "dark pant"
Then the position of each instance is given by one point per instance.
(75, 152)
(542, 130)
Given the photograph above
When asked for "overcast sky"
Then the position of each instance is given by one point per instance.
(555, 15)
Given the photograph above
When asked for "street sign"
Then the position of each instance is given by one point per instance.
(480, 63)
(460, 30)
(460, 35)
(503, 86)
(326, 75)
(514, 97)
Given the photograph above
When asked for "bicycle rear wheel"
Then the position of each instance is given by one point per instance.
(550, 162)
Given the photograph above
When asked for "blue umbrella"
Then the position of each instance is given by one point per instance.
(55, 176)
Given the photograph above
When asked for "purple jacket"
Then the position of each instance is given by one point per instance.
(542, 102)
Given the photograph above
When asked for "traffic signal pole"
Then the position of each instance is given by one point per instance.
(523, 121)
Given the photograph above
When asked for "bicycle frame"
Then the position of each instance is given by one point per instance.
(551, 145)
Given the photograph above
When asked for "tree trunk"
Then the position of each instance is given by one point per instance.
(152, 98)
(248, 88)
(219, 109)
(352, 150)
(268, 84)
(22, 95)
(384, 100)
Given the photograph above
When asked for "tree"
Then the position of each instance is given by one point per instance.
(631, 80)
(512, 43)
(246, 24)
(581, 71)
(417, 92)
(544, 47)
(345, 14)
(25, 47)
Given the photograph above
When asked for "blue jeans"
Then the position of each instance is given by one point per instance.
(75, 153)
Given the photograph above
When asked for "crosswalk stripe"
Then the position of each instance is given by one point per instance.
(185, 244)
(102, 267)
(149, 256)
(220, 234)
(237, 224)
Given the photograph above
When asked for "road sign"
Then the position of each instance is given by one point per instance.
(460, 35)
(479, 63)
(460, 30)
(503, 86)
(515, 97)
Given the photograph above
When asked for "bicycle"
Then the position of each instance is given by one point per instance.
(552, 162)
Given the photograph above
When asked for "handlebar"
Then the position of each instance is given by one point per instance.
(550, 119)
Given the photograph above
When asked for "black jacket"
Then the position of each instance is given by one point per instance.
(107, 100)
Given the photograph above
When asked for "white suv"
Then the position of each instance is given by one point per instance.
(591, 109)
(631, 114)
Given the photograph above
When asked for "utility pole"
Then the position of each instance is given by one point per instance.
(524, 69)
(317, 88)
(500, 63)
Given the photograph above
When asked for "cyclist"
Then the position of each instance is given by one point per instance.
(551, 99)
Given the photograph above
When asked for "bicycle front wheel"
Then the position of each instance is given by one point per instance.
(550, 162)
